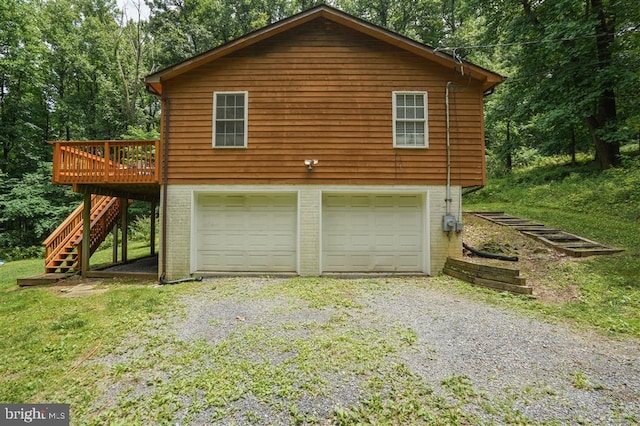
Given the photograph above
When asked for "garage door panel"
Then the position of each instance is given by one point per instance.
(373, 233)
(382, 201)
(333, 241)
(246, 232)
(210, 259)
(385, 242)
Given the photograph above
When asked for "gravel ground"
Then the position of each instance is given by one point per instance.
(500, 351)
(543, 372)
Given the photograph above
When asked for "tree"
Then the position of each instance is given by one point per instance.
(22, 104)
(33, 207)
(61, 78)
(134, 55)
(565, 57)
(184, 28)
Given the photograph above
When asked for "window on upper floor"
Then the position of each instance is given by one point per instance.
(230, 114)
(410, 125)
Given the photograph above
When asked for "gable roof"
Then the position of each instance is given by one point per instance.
(489, 79)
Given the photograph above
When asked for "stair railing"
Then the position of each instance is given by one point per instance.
(59, 238)
(70, 231)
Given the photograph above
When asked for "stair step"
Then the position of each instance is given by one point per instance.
(66, 257)
(562, 241)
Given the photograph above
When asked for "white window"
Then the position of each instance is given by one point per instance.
(230, 113)
(410, 126)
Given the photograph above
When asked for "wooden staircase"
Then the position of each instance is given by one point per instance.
(64, 246)
(562, 241)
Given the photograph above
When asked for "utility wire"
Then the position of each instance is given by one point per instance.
(545, 74)
(525, 43)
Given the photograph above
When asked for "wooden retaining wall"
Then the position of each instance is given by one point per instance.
(494, 277)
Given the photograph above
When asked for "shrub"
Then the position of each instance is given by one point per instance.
(140, 229)
(20, 253)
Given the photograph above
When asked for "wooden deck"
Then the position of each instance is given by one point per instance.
(126, 169)
(570, 244)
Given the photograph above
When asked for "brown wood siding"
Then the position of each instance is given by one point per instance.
(323, 91)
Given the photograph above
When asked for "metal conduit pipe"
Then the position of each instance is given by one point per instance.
(449, 221)
(448, 130)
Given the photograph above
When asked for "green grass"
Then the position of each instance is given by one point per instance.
(604, 207)
(46, 339)
(135, 250)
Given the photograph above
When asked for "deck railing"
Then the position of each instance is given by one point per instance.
(86, 162)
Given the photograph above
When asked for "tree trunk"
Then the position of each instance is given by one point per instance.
(509, 159)
(605, 116)
(573, 146)
(607, 154)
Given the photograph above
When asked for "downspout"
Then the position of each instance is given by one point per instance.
(165, 178)
(166, 108)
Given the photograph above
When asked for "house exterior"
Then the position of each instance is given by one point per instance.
(318, 145)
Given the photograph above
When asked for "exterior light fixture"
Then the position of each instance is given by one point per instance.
(310, 164)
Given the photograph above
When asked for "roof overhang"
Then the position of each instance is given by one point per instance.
(488, 79)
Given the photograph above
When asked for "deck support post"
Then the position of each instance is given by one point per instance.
(86, 235)
(114, 232)
(154, 206)
(124, 207)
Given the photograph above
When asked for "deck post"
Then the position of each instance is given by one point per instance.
(86, 235)
(114, 232)
(154, 207)
(124, 207)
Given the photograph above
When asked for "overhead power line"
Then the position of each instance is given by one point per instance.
(525, 43)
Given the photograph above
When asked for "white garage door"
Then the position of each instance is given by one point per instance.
(373, 233)
(246, 232)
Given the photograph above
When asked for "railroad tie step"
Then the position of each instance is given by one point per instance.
(501, 279)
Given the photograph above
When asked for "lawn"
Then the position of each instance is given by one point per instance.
(45, 337)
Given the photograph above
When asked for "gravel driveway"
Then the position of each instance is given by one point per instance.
(400, 350)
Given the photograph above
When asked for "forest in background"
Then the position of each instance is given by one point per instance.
(72, 69)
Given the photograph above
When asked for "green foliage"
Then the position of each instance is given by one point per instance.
(552, 183)
(183, 29)
(569, 71)
(22, 100)
(32, 207)
(140, 229)
(136, 133)
(19, 253)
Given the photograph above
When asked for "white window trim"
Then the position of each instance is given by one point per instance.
(246, 119)
(426, 118)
